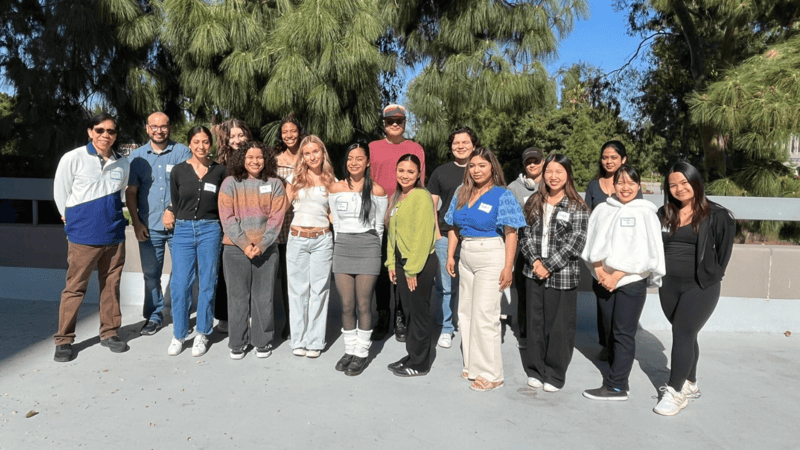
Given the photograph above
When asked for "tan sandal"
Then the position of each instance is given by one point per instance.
(482, 385)
(465, 374)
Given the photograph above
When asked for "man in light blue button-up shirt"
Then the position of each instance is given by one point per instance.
(148, 197)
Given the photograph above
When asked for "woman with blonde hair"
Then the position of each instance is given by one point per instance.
(485, 216)
(309, 251)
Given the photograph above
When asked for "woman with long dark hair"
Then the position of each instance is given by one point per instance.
(196, 243)
(485, 216)
(698, 242)
(358, 206)
(251, 207)
(412, 263)
(552, 243)
(624, 253)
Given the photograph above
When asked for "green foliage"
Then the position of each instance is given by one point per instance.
(8, 140)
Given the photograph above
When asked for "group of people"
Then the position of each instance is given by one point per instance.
(257, 214)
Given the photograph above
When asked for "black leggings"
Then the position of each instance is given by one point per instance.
(687, 307)
(417, 306)
(356, 291)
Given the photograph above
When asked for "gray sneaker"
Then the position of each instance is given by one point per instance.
(604, 393)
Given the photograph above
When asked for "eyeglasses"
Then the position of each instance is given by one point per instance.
(110, 131)
(158, 128)
(390, 122)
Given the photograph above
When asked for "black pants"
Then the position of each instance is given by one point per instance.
(601, 295)
(417, 305)
(221, 298)
(687, 307)
(385, 295)
(520, 283)
(552, 319)
(620, 312)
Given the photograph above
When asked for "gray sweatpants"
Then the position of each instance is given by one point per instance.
(250, 289)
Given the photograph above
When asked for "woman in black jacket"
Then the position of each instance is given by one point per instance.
(698, 241)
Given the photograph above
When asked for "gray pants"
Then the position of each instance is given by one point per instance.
(250, 288)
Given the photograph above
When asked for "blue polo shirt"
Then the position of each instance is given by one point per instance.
(493, 210)
(150, 171)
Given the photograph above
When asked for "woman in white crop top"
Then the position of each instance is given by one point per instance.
(309, 251)
(358, 206)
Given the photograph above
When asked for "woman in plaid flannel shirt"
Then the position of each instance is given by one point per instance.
(552, 244)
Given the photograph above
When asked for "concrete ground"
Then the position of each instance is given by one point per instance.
(145, 399)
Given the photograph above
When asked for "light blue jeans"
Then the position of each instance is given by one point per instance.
(151, 253)
(308, 263)
(196, 247)
(446, 288)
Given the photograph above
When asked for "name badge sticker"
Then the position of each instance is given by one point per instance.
(116, 174)
(341, 206)
(209, 187)
(169, 167)
(525, 200)
(485, 208)
(265, 189)
(627, 221)
(563, 215)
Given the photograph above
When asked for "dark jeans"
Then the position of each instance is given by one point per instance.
(417, 305)
(601, 295)
(552, 319)
(687, 307)
(250, 289)
(620, 312)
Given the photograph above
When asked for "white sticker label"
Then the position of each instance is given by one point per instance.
(321, 189)
(392, 213)
(341, 206)
(563, 215)
(525, 200)
(116, 174)
(627, 221)
(485, 208)
(210, 187)
(265, 189)
(169, 167)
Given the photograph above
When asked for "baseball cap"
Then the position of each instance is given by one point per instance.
(532, 153)
(393, 111)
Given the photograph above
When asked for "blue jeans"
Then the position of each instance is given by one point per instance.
(195, 254)
(446, 288)
(151, 253)
(308, 263)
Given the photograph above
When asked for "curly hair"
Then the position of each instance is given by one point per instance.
(280, 146)
(468, 187)
(223, 132)
(301, 169)
(237, 158)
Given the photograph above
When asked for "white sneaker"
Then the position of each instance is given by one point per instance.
(237, 354)
(534, 383)
(222, 326)
(299, 352)
(550, 388)
(690, 390)
(671, 402)
(175, 347)
(200, 346)
(313, 353)
(445, 340)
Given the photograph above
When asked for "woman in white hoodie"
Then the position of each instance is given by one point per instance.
(625, 254)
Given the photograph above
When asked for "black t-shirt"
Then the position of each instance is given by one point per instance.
(595, 195)
(194, 198)
(444, 181)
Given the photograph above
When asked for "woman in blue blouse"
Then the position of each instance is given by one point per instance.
(485, 216)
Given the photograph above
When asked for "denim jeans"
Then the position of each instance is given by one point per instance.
(151, 253)
(446, 288)
(308, 263)
(196, 247)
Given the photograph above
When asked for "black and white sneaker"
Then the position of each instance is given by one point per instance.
(238, 353)
(264, 352)
(150, 328)
(404, 371)
(606, 394)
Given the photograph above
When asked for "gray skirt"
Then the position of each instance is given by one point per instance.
(357, 253)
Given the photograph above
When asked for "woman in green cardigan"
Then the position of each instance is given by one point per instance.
(412, 263)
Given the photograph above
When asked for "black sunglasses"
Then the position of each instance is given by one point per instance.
(110, 131)
(390, 122)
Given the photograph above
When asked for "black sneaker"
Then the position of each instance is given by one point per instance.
(344, 362)
(404, 371)
(397, 364)
(381, 327)
(237, 353)
(604, 393)
(115, 344)
(357, 365)
(400, 329)
(63, 353)
(150, 328)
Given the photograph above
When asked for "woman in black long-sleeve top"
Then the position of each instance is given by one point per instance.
(698, 241)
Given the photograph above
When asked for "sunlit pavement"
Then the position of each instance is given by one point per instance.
(146, 399)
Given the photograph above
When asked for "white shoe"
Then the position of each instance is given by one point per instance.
(299, 352)
(445, 340)
(237, 354)
(264, 352)
(313, 353)
(671, 402)
(550, 388)
(534, 383)
(200, 346)
(690, 390)
(222, 326)
(175, 347)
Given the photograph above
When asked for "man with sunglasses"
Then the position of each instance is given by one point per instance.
(148, 196)
(88, 193)
(384, 154)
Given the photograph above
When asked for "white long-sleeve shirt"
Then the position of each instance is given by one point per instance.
(346, 212)
(626, 238)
